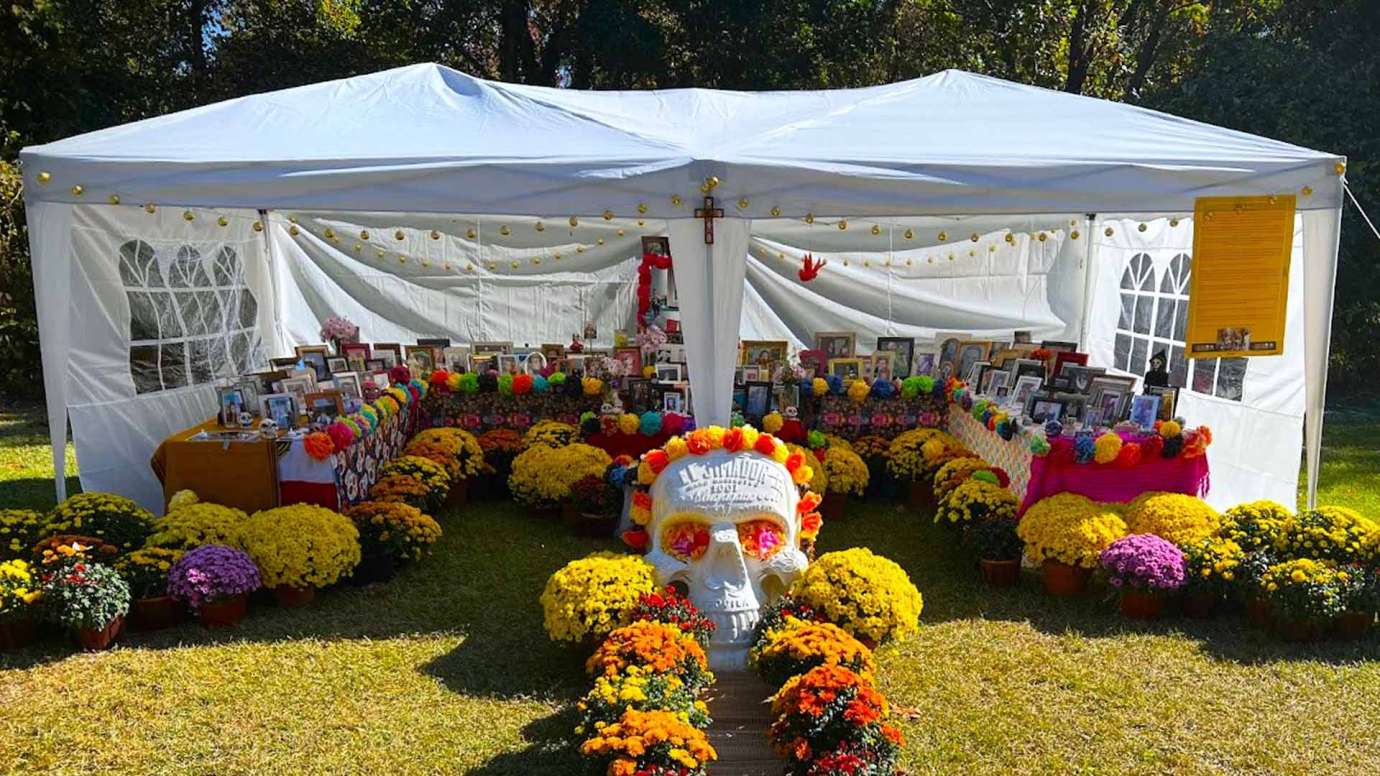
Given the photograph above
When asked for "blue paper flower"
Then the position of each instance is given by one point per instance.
(883, 389)
(539, 384)
(1083, 449)
(835, 384)
(650, 423)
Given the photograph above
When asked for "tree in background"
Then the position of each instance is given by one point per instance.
(1301, 71)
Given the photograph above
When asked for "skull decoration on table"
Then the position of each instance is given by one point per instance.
(726, 526)
(246, 420)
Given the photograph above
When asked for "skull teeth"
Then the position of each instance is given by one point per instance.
(734, 627)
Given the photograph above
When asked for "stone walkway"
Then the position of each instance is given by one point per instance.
(739, 732)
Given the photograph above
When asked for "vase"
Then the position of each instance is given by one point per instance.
(1298, 631)
(156, 613)
(833, 506)
(1141, 604)
(1353, 624)
(372, 568)
(293, 597)
(919, 496)
(17, 634)
(98, 639)
(1061, 579)
(459, 494)
(1258, 612)
(1201, 605)
(1000, 573)
(225, 612)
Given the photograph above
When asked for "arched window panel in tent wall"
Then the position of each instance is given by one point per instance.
(527, 280)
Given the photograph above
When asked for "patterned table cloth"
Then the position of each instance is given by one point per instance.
(345, 478)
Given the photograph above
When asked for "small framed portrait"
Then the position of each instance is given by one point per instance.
(631, 359)
(337, 364)
(284, 363)
(376, 366)
(421, 358)
(969, 353)
(327, 403)
(1062, 357)
(507, 363)
(1020, 337)
(455, 358)
(923, 363)
(390, 352)
(575, 364)
(493, 347)
(1108, 400)
(434, 342)
(349, 385)
(992, 381)
(1022, 391)
(554, 352)
(357, 355)
(976, 370)
(1145, 410)
(535, 362)
(904, 348)
(639, 392)
(881, 365)
(231, 405)
(1076, 378)
(1059, 346)
(845, 367)
(947, 363)
(1169, 400)
(315, 358)
(673, 400)
(739, 397)
(298, 388)
(279, 407)
(380, 380)
(758, 401)
(483, 362)
(1028, 366)
(267, 380)
(764, 354)
(815, 362)
(250, 390)
(670, 373)
(836, 344)
(1044, 409)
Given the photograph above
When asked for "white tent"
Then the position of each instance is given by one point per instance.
(423, 201)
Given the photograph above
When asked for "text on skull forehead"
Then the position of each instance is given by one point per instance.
(739, 484)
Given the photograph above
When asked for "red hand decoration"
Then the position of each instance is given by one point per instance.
(810, 269)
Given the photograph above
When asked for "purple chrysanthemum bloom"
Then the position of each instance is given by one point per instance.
(1144, 562)
(211, 573)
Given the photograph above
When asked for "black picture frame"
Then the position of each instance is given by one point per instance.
(757, 402)
(905, 346)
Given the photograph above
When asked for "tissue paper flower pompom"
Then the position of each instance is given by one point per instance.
(858, 390)
(650, 423)
(1106, 447)
(1128, 456)
(469, 383)
(772, 422)
(318, 445)
(522, 384)
(557, 379)
(628, 423)
(399, 374)
(835, 384)
(592, 386)
(819, 386)
(341, 435)
(505, 385)
(440, 378)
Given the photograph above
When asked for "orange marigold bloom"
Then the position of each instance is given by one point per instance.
(657, 460)
(766, 444)
(809, 502)
(733, 440)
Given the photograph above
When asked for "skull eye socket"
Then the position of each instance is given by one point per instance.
(685, 540)
(761, 539)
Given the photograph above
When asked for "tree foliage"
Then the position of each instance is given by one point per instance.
(1301, 71)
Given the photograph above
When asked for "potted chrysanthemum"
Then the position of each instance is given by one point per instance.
(595, 506)
(1144, 568)
(999, 550)
(216, 581)
(146, 572)
(19, 595)
(88, 598)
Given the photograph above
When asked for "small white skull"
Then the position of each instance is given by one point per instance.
(792, 413)
(268, 427)
(722, 491)
(246, 420)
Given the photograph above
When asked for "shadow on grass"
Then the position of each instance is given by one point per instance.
(551, 748)
(948, 578)
(33, 493)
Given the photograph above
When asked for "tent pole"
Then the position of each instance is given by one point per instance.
(1089, 256)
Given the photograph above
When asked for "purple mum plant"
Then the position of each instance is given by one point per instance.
(1144, 562)
(210, 573)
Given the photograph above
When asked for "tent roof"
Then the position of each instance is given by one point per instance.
(426, 138)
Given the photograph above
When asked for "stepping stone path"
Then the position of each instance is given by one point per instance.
(739, 733)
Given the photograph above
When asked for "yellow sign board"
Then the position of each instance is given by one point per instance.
(1240, 282)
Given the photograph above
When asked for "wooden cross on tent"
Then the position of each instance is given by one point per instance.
(709, 213)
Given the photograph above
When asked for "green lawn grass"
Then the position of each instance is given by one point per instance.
(446, 669)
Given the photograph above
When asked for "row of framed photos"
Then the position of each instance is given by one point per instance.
(1070, 391)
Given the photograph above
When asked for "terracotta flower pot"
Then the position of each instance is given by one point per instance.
(459, 494)
(1353, 625)
(157, 613)
(833, 506)
(293, 597)
(17, 634)
(1298, 631)
(1142, 604)
(223, 613)
(919, 496)
(98, 639)
(1000, 573)
(1258, 612)
(1061, 579)
(1201, 605)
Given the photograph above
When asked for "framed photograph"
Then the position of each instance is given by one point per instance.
(349, 385)
(284, 363)
(380, 380)
(232, 403)
(1001, 358)
(281, 408)
(357, 355)
(455, 358)
(536, 362)
(631, 358)
(421, 358)
(1044, 409)
(1108, 401)
(973, 376)
(1062, 357)
(337, 364)
(639, 392)
(507, 363)
(315, 358)
(492, 347)
(267, 380)
(390, 352)
(326, 403)
(574, 363)
(670, 373)
(948, 358)
(923, 363)
(483, 362)
(758, 401)
(969, 353)
(881, 366)
(1145, 410)
(375, 366)
(1075, 405)
(434, 342)
(904, 348)
(836, 344)
(1169, 400)
(763, 353)
(298, 388)
(739, 398)
(845, 367)
(1078, 379)
(1059, 347)
(553, 351)
(993, 380)
(673, 400)
(1022, 391)
(1020, 337)
(1028, 366)
(815, 361)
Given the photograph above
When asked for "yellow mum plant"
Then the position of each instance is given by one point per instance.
(113, 519)
(424, 470)
(819, 479)
(20, 530)
(904, 459)
(19, 589)
(954, 472)
(975, 500)
(1255, 525)
(643, 742)
(191, 526)
(551, 433)
(845, 471)
(455, 449)
(1173, 517)
(1069, 528)
(542, 475)
(587, 599)
(800, 646)
(302, 545)
(1211, 565)
(394, 530)
(1328, 533)
(867, 595)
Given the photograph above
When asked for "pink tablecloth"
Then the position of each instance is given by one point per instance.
(627, 444)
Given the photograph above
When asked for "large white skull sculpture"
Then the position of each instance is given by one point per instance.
(721, 491)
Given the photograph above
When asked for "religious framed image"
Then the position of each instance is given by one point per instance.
(357, 354)
(298, 388)
(315, 358)
(836, 344)
(337, 364)
(1169, 400)
(993, 380)
(1044, 409)
(1021, 392)
(507, 363)
(669, 373)
(845, 367)
(390, 352)
(969, 353)
(231, 405)
(535, 363)
(349, 385)
(280, 408)
(923, 363)
(758, 401)
(421, 358)
(493, 347)
(1145, 410)
(948, 358)
(327, 403)
(763, 353)
(973, 376)
(630, 358)
(815, 361)
(904, 348)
